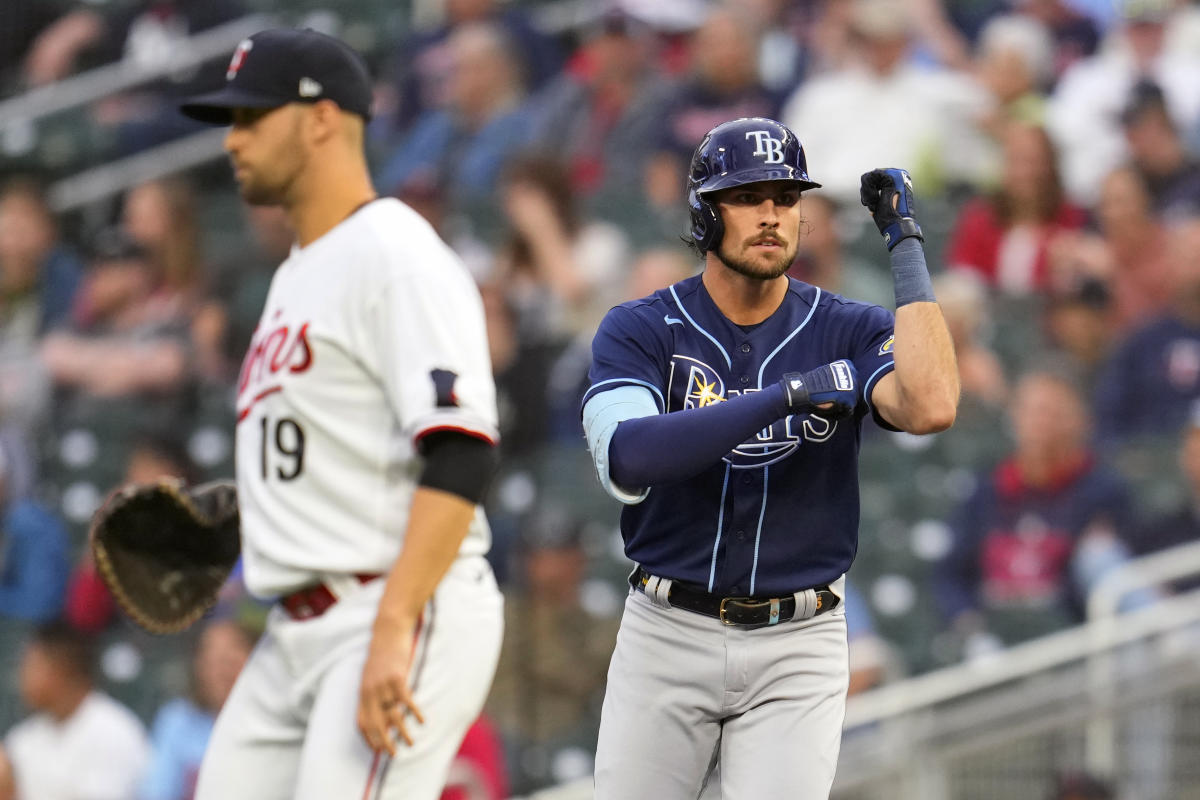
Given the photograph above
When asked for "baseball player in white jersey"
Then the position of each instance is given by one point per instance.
(366, 431)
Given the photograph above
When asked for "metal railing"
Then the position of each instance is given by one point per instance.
(120, 76)
(1083, 697)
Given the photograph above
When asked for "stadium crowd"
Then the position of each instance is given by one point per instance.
(1056, 148)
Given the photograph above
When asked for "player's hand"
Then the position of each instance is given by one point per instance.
(385, 700)
(888, 195)
(831, 390)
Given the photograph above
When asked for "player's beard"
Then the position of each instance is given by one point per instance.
(755, 267)
(273, 184)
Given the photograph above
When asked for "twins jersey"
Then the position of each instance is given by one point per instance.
(371, 338)
(779, 512)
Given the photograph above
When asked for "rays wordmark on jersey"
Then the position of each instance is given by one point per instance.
(694, 384)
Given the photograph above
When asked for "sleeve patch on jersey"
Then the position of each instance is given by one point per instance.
(443, 387)
(887, 346)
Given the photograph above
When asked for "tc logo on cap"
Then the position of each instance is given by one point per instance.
(239, 58)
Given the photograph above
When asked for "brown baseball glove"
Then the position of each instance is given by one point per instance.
(164, 550)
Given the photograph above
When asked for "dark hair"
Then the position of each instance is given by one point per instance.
(549, 175)
(68, 646)
(1051, 198)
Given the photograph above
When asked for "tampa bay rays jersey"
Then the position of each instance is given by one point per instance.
(372, 336)
(779, 512)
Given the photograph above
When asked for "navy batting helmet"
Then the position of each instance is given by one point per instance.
(741, 151)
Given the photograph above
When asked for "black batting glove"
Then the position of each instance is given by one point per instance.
(888, 195)
(835, 383)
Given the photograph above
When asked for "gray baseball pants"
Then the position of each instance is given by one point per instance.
(686, 692)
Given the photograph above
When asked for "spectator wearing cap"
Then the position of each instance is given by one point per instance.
(34, 554)
(1084, 115)
(602, 115)
(1158, 153)
(927, 112)
(462, 146)
(1152, 379)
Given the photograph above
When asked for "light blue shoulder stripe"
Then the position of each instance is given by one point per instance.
(662, 407)
(712, 569)
(762, 512)
(709, 336)
(790, 336)
(870, 380)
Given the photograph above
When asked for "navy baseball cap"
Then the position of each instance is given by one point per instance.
(286, 65)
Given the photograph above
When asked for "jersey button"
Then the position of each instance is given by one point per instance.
(741, 537)
(735, 589)
(745, 379)
(746, 479)
(745, 347)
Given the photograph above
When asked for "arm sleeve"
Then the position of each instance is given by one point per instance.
(459, 464)
(672, 447)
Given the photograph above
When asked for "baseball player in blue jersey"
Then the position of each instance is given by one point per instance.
(725, 412)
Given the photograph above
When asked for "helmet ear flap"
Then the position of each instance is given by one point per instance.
(707, 229)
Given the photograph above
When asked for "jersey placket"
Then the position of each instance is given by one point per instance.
(746, 490)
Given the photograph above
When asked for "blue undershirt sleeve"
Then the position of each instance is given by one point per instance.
(665, 448)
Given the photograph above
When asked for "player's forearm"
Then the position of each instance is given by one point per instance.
(437, 524)
(926, 372)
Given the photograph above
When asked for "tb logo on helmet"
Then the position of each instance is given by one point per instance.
(767, 146)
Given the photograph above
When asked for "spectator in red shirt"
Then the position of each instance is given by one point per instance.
(1005, 237)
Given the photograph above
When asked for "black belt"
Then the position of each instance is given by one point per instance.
(742, 612)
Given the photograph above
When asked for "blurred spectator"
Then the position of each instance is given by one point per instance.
(89, 606)
(1014, 63)
(823, 261)
(126, 339)
(554, 659)
(79, 743)
(1077, 320)
(424, 60)
(601, 117)
(882, 108)
(783, 59)
(1140, 279)
(160, 216)
(871, 658)
(1085, 109)
(462, 146)
(34, 557)
(477, 771)
(24, 21)
(1158, 153)
(240, 287)
(964, 301)
(1075, 35)
(560, 271)
(38, 281)
(722, 84)
(1005, 237)
(182, 726)
(1180, 525)
(1080, 786)
(8, 784)
(1007, 575)
(1153, 377)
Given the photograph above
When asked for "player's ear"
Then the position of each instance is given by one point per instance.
(324, 120)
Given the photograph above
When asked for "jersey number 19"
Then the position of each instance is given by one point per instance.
(284, 447)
